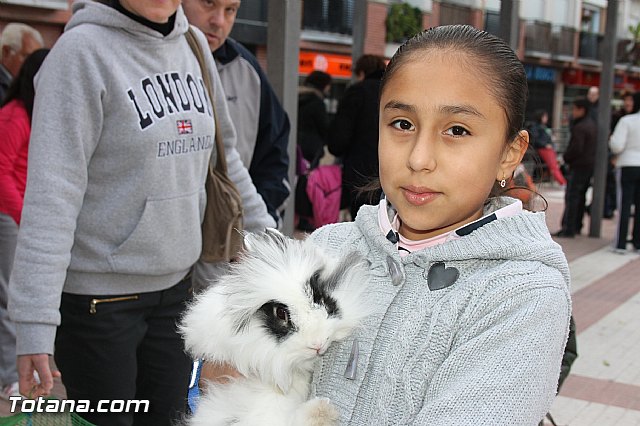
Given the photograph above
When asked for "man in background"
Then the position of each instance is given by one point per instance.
(262, 126)
(17, 41)
(580, 156)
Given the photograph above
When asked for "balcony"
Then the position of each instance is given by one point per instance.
(590, 48)
(251, 22)
(628, 53)
(562, 42)
(537, 38)
(453, 14)
(330, 16)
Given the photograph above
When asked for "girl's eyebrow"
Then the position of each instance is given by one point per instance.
(399, 105)
(460, 109)
(444, 109)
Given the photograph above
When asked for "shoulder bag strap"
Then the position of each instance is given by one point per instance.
(221, 160)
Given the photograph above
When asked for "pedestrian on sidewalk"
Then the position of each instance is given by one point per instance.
(15, 129)
(580, 157)
(625, 144)
(540, 139)
(354, 133)
(468, 286)
(121, 143)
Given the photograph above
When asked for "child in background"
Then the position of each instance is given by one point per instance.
(541, 140)
(472, 294)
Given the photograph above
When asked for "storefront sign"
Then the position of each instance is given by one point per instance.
(331, 63)
(538, 73)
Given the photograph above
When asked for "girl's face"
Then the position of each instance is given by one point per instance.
(157, 11)
(442, 143)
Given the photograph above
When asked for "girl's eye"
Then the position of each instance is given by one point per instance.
(403, 125)
(457, 131)
(281, 313)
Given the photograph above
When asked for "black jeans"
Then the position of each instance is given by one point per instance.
(124, 350)
(630, 194)
(574, 200)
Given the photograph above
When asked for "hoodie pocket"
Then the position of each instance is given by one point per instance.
(166, 239)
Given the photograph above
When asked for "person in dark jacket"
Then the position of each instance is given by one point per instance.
(580, 157)
(262, 125)
(354, 133)
(313, 120)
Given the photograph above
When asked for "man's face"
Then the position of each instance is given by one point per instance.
(12, 59)
(214, 18)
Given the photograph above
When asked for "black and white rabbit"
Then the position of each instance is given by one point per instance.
(270, 317)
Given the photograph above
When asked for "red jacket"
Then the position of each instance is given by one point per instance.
(15, 129)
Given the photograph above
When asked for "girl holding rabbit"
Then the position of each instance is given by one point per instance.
(471, 294)
(466, 294)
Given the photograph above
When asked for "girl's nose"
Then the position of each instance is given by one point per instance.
(423, 154)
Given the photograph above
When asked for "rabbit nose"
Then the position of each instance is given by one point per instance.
(319, 347)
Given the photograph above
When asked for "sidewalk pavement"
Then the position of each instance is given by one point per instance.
(603, 388)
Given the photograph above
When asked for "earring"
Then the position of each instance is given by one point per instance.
(503, 182)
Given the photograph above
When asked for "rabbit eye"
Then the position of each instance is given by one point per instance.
(281, 313)
(275, 317)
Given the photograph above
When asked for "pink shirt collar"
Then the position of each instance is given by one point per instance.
(389, 223)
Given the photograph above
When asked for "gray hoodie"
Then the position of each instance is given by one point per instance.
(121, 139)
(480, 346)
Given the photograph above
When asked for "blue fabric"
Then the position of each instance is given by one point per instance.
(193, 395)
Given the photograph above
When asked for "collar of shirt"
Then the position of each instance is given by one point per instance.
(389, 223)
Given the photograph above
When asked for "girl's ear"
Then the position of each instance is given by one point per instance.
(513, 154)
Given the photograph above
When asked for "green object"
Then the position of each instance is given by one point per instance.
(403, 22)
(44, 419)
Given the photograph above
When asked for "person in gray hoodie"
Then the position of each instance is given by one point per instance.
(121, 140)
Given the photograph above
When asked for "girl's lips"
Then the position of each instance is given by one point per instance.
(419, 196)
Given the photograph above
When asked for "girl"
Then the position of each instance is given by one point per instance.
(471, 293)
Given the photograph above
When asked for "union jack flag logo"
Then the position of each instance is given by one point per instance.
(184, 127)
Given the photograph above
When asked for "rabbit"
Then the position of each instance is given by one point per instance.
(276, 311)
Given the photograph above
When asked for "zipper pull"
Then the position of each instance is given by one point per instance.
(352, 365)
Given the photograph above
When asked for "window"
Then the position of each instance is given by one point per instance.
(334, 16)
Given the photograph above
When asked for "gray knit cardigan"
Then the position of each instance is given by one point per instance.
(483, 351)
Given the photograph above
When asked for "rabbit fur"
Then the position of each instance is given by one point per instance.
(275, 312)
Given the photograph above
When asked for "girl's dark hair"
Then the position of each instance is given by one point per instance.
(21, 87)
(488, 54)
(318, 80)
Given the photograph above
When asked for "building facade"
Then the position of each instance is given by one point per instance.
(559, 42)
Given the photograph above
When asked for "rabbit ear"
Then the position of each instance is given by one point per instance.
(269, 234)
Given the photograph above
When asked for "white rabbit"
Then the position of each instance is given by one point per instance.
(270, 317)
